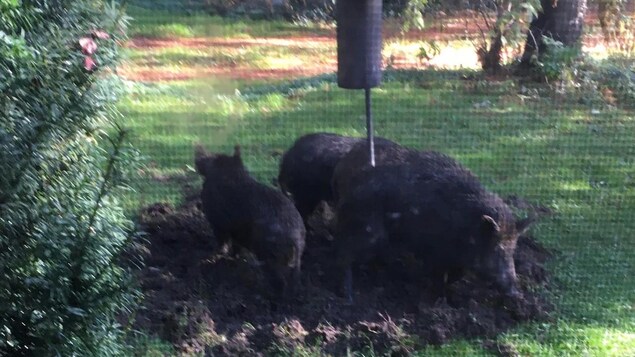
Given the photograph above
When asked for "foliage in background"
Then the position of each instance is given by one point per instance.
(174, 6)
(572, 72)
(256, 9)
(325, 9)
(618, 24)
(65, 164)
(617, 82)
(502, 23)
(413, 14)
(312, 10)
(428, 50)
(296, 10)
(559, 61)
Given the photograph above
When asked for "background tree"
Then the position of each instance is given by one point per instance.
(64, 162)
(561, 20)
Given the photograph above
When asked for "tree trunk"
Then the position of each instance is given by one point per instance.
(561, 20)
(491, 59)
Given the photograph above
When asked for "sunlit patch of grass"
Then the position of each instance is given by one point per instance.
(271, 103)
(168, 120)
(188, 57)
(576, 186)
(442, 54)
(174, 30)
(280, 62)
(400, 47)
(570, 339)
(182, 60)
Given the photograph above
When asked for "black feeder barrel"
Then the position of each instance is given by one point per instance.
(359, 25)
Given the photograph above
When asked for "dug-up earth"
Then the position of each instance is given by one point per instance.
(216, 305)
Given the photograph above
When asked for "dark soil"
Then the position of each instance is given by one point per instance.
(217, 304)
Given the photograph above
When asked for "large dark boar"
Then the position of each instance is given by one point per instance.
(249, 214)
(387, 152)
(446, 218)
(307, 167)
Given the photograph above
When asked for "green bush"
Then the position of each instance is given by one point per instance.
(64, 165)
(617, 74)
(571, 71)
(559, 61)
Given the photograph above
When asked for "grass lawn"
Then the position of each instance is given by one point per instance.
(521, 139)
(152, 23)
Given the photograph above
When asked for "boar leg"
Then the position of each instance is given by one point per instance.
(296, 273)
(224, 242)
(306, 206)
(441, 281)
(348, 284)
(277, 279)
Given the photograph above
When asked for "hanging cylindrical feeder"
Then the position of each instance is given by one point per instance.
(359, 52)
(358, 43)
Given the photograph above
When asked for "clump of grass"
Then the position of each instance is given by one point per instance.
(142, 345)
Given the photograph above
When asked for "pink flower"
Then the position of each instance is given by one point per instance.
(88, 45)
(100, 34)
(89, 63)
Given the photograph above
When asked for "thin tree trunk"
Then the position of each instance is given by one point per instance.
(491, 59)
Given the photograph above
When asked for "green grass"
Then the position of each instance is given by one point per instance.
(140, 345)
(255, 56)
(577, 159)
(162, 23)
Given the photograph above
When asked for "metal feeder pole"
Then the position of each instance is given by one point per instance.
(359, 25)
(369, 129)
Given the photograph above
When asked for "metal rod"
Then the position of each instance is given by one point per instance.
(369, 129)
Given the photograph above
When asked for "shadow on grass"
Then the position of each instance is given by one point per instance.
(174, 23)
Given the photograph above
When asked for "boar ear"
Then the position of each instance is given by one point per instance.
(199, 151)
(237, 151)
(523, 225)
(199, 158)
(490, 224)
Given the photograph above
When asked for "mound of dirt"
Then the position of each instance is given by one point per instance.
(216, 304)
